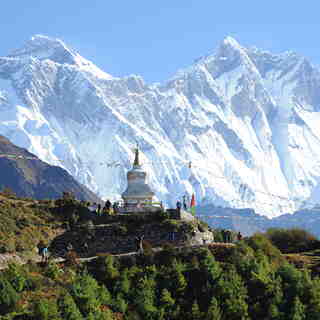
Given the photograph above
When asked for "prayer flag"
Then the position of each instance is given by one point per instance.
(193, 205)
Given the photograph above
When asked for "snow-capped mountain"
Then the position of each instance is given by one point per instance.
(247, 119)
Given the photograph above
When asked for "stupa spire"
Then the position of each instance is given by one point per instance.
(136, 162)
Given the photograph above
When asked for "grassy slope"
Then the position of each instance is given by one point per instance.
(23, 223)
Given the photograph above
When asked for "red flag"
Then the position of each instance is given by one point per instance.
(193, 204)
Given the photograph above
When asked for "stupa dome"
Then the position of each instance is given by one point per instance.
(138, 191)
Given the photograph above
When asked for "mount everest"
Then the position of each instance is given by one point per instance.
(247, 119)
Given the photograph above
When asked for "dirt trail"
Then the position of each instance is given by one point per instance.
(5, 259)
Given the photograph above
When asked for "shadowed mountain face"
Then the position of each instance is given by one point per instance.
(34, 178)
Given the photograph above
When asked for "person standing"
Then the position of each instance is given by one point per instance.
(224, 235)
(108, 205)
(229, 236)
(69, 247)
(115, 207)
(139, 244)
(184, 202)
(178, 206)
(44, 254)
(85, 247)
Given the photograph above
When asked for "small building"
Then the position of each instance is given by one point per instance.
(138, 194)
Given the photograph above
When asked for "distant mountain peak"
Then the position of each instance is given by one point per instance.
(43, 47)
(229, 41)
(230, 46)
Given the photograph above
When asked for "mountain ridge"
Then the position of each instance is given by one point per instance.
(249, 119)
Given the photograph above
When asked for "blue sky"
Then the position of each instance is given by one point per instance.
(154, 38)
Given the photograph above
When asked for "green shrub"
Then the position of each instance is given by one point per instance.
(46, 309)
(217, 235)
(68, 308)
(262, 245)
(53, 270)
(8, 297)
(292, 240)
(16, 276)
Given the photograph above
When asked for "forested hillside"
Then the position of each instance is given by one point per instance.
(252, 280)
(274, 275)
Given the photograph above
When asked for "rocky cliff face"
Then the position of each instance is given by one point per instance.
(28, 176)
(247, 119)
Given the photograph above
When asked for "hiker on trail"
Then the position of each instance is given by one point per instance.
(40, 245)
(239, 236)
(178, 205)
(185, 207)
(172, 236)
(85, 247)
(229, 236)
(44, 254)
(99, 208)
(139, 243)
(224, 237)
(115, 207)
(107, 206)
(42, 251)
(69, 247)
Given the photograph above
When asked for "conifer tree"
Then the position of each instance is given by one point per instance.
(214, 311)
(8, 296)
(100, 315)
(313, 303)
(145, 298)
(104, 295)
(45, 309)
(110, 272)
(119, 304)
(177, 279)
(209, 265)
(233, 295)
(166, 303)
(85, 291)
(68, 308)
(16, 277)
(298, 310)
(123, 283)
(273, 312)
(195, 311)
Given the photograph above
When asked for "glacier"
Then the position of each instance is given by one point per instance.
(246, 119)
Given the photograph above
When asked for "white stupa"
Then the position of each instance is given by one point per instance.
(138, 192)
